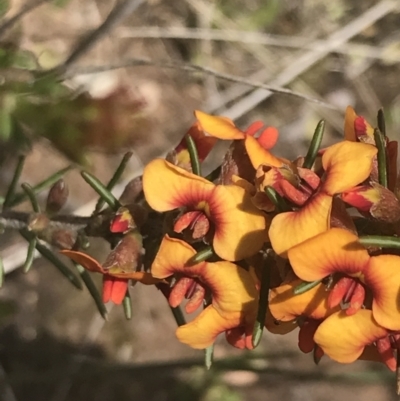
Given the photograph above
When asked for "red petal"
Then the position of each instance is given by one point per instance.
(356, 300)
(306, 335)
(268, 138)
(196, 299)
(339, 291)
(179, 291)
(386, 353)
(114, 289)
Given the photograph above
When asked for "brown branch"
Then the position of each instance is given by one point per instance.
(120, 11)
(136, 62)
(18, 220)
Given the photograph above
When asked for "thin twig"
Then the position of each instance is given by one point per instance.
(136, 62)
(10, 22)
(307, 60)
(235, 35)
(120, 11)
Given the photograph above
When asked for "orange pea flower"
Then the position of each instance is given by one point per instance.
(238, 227)
(346, 338)
(231, 288)
(257, 148)
(346, 164)
(338, 251)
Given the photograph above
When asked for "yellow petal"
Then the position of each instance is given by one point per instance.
(346, 165)
(258, 155)
(232, 287)
(240, 227)
(204, 329)
(343, 337)
(167, 187)
(172, 257)
(383, 277)
(336, 250)
(286, 306)
(218, 127)
(292, 228)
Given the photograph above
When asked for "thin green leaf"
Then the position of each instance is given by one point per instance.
(277, 200)
(304, 287)
(127, 304)
(314, 145)
(178, 315)
(380, 143)
(194, 155)
(115, 178)
(85, 276)
(51, 257)
(201, 256)
(14, 182)
(48, 182)
(32, 197)
(104, 193)
(381, 122)
(209, 356)
(30, 255)
(380, 241)
(262, 306)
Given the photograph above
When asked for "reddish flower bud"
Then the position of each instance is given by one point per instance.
(375, 200)
(126, 256)
(57, 197)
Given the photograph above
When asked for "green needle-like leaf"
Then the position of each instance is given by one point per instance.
(51, 257)
(380, 241)
(201, 256)
(194, 155)
(114, 179)
(277, 200)
(306, 286)
(30, 255)
(48, 182)
(382, 166)
(262, 306)
(85, 276)
(381, 122)
(314, 145)
(14, 182)
(104, 193)
(32, 197)
(127, 304)
(178, 316)
(209, 356)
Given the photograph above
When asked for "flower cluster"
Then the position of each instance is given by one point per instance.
(262, 241)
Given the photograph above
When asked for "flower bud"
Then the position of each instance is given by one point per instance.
(57, 197)
(376, 200)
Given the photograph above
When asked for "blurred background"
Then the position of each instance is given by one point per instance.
(54, 345)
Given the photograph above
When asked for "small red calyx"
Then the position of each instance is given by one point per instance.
(348, 291)
(122, 222)
(196, 221)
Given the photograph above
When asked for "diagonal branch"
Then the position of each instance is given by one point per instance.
(136, 62)
(9, 23)
(120, 11)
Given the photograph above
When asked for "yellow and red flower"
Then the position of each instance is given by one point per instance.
(346, 164)
(231, 289)
(238, 228)
(339, 252)
(347, 338)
